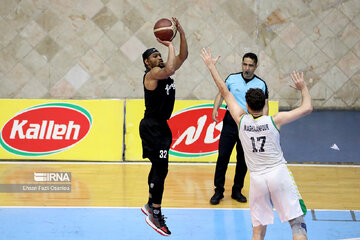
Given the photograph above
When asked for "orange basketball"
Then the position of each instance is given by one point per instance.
(165, 29)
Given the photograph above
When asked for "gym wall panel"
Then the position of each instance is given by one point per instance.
(195, 134)
(80, 130)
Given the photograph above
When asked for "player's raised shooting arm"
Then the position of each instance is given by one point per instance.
(183, 53)
(158, 73)
(305, 108)
(235, 110)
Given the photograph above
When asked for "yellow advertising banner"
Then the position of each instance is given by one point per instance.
(195, 134)
(74, 130)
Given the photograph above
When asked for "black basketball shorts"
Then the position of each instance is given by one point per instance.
(156, 138)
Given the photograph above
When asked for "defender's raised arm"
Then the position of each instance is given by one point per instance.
(305, 108)
(235, 110)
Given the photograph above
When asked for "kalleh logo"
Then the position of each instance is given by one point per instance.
(45, 129)
(194, 132)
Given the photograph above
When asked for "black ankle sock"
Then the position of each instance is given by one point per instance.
(156, 211)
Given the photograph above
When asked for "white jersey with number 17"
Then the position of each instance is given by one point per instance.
(260, 140)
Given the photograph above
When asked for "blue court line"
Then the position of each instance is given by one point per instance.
(186, 224)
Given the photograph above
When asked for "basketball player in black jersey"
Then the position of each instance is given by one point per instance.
(155, 133)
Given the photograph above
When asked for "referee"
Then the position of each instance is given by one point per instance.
(238, 84)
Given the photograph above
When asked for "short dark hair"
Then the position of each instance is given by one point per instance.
(255, 98)
(251, 56)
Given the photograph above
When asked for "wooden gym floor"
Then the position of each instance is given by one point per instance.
(105, 201)
(187, 185)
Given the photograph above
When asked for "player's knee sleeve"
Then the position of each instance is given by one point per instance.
(298, 226)
(159, 168)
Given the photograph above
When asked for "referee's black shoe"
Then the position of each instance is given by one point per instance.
(215, 199)
(238, 197)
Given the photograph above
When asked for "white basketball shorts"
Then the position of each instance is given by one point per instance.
(274, 188)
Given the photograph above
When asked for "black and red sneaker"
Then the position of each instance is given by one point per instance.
(157, 222)
(147, 209)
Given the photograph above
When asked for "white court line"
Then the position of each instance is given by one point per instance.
(350, 239)
(122, 207)
(170, 163)
(219, 208)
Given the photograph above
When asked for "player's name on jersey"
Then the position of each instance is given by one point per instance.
(260, 128)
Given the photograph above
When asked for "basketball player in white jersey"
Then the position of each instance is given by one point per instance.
(271, 183)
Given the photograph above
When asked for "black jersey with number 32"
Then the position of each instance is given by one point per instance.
(159, 103)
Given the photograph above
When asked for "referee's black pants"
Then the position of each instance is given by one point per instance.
(228, 138)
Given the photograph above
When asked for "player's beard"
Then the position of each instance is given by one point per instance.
(159, 64)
